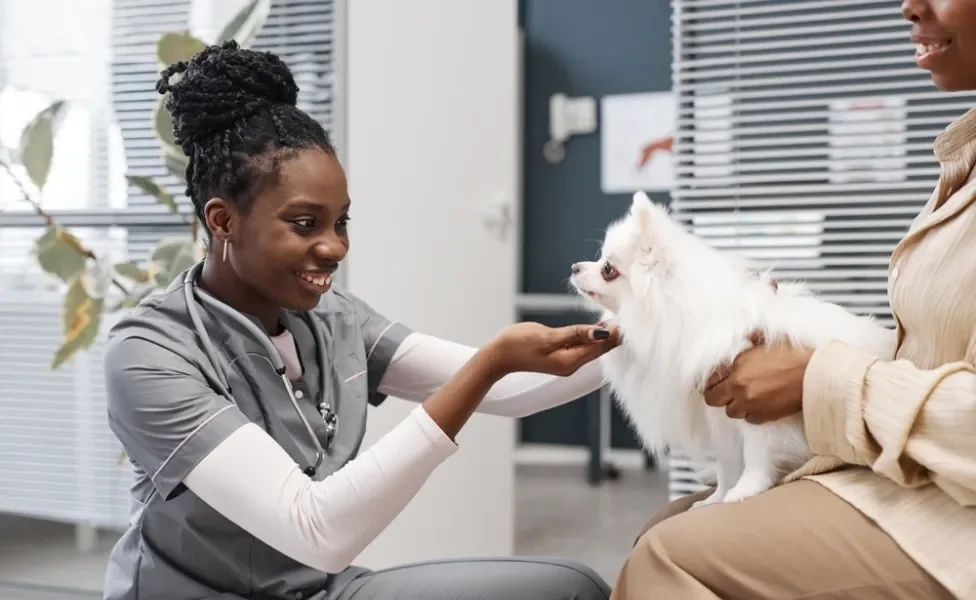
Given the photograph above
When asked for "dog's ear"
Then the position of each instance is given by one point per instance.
(643, 209)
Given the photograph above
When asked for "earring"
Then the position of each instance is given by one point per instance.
(226, 245)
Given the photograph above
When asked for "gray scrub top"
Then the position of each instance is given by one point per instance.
(168, 416)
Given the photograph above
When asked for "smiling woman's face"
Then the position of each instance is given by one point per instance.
(944, 33)
(289, 242)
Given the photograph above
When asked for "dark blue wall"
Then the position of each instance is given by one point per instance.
(579, 48)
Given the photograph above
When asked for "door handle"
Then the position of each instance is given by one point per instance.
(498, 216)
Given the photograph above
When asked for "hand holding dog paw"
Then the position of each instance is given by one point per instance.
(764, 383)
(558, 351)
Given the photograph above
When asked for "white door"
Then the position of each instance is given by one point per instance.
(431, 143)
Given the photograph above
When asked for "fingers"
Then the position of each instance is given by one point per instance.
(719, 394)
(582, 335)
(571, 358)
(757, 338)
(754, 419)
(736, 410)
(720, 375)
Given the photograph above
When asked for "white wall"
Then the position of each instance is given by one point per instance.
(432, 137)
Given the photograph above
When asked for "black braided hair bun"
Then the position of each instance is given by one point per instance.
(222, 85)
(235, 117)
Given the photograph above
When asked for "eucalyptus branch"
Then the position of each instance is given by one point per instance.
(86, 252)
(37, 207)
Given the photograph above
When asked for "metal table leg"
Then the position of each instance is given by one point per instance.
(599, 410)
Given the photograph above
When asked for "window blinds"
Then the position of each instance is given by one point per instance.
(301, 32)
(804, 137)
(55, 421)
(804, 140)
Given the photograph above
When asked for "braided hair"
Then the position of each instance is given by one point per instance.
(235, 117)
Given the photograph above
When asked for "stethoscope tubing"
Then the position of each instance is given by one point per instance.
(223, 383)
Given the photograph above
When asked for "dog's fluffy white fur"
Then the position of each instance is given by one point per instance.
(685, 308)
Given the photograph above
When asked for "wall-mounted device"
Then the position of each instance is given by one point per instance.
(567, 117)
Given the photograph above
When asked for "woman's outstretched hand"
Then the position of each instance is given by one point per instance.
(764, 383)
(557, 351)
(522, 347)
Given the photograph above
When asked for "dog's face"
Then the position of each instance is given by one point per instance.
(634, 257)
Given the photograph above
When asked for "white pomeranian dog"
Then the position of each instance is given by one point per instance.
(684, 309)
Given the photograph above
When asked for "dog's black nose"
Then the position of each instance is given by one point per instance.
(576, 268)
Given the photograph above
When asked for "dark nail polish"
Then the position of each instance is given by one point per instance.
(601, 334)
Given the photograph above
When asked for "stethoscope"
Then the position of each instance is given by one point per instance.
(329, 416)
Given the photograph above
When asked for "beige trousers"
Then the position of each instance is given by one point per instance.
(797, 541)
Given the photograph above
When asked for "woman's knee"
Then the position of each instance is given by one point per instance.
(654, 568)
(675, 507)
(565, 579)
(514, 578)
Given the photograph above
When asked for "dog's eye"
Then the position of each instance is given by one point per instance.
(609, 272)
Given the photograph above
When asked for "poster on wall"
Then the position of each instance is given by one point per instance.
(867, 139)
(635, 137)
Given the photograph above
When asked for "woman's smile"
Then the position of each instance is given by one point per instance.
(316, 282)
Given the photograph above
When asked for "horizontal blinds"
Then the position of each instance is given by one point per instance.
(137, 26)
(58, 459)
(56, 421)
(300, 31)
(803, 142)
(804, 136)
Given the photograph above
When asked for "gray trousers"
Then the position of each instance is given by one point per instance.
(511, 578)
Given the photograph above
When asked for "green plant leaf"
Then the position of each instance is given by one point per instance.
(149, 186)
(163, 128)
(170, 258)
(60, 253)
(132, 271)
(177, 46)
(246, 24)
(176, 164)
(81, 318)
(37, 143)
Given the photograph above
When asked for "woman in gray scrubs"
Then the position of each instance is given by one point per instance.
(240, 393)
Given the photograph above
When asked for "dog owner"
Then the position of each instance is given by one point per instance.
(240, 393)
(887, 508)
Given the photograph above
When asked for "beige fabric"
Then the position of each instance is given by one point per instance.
(911, 423)
(798, 541)
(896, 440)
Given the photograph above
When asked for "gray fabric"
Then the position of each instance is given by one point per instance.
(163, 407)
(520, 578)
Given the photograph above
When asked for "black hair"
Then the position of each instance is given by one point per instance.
(235, 117)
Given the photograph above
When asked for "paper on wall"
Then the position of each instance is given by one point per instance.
(867, 140)
(628, 124)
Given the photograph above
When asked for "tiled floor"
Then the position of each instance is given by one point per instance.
(558, 514)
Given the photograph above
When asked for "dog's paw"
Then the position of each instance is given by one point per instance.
(714, 498)
(738, 495)
(742, 492)
(752, 483)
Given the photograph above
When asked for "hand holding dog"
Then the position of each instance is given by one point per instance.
(764, 383)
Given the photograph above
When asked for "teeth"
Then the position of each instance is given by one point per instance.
(316, 279)
(926, 48)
